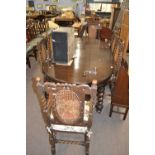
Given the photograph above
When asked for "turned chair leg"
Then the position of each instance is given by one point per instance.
(126, 112)
(52, 140)
(87, 141)
(111, 109)
(35, 54)
(28, 62)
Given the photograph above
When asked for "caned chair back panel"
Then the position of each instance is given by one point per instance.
(68, 102)
(45, 50)
(68, 106)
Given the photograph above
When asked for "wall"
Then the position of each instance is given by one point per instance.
(61, 3)
(66, 3)
(104, 1)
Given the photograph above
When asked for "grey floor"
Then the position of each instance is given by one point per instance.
(110, 135)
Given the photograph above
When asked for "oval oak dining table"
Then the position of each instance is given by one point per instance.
(92, 60)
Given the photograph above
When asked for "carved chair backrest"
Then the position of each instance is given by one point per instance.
(30, 30)
(67, 104)
(35, 27)
(117, 55)
(45, 51)
(41, 26)
(42, 51)
(113, 41)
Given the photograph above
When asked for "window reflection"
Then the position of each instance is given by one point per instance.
(77, 57)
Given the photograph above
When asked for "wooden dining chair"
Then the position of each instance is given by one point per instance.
(114, 41)
(117, 61)
(117, 55)
(42, 26)
(105, 33)
(67, 108)
(120, 94)
(44, 49)
(30, 37)
(30, 30)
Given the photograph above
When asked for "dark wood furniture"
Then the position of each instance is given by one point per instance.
(118, 54)
(124, 34)
(31, 50)
(67, 109)
(91, 61)
(115, 13)
(35, 32)
(120, 94)
(64, 21)
(45, 52)
(103, 14)
(105, 33)
(117, 48)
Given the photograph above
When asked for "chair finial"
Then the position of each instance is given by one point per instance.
(94, 82)
(38, 79)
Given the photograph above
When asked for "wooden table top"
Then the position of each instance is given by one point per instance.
(90, 55)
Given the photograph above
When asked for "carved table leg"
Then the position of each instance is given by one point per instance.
(111, 109)
(28, 62)
(35, 54)
(126, 111)
(53, 141)
(100, 92)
